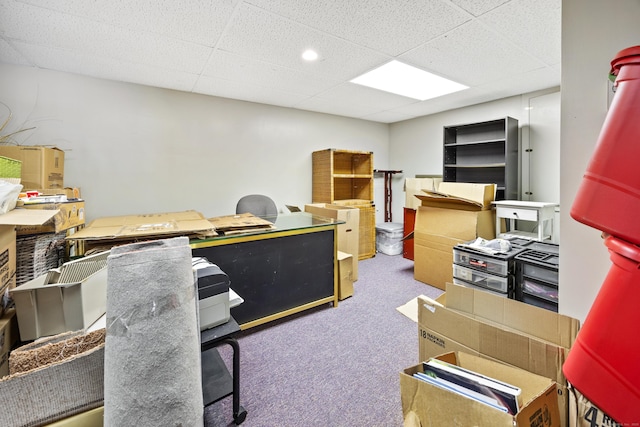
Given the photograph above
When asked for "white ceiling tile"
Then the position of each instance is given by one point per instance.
(245, 92)
(107, 68)
(392, 27)
(343, 107)
(358, 94)
(533, 25)
(250, 49)
(458, 99)
(264, 36)
(10, 55)
(480, 56)
(523, 83)
(196, 21)
(478, 7)
(228, 66)
(57, 30)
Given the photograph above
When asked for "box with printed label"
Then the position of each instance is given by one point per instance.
(426, 404)
(501, 329)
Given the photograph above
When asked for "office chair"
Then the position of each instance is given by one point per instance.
(259, 205)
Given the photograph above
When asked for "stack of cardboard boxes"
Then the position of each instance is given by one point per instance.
(456, 213)
(42, 170)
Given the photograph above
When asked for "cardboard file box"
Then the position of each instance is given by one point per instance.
(68, 298)
(424, 404)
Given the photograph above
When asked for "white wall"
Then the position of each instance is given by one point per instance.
(593, 31)
(136, 149)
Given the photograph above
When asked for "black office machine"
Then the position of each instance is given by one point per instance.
(213, 293)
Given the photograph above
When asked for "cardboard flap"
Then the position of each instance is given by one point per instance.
(441, 200)
(459, 195)
(144, 225)
(544, 324)
(27, 217)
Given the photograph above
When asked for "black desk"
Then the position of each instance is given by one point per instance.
(217, 382)
(278, 272)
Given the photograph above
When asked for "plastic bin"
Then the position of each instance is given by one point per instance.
(389, 238)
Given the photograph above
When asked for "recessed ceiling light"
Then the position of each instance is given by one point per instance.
(402, 79)
(309, 55)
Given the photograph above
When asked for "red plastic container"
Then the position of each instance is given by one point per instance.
(609, 196)
(604, 362)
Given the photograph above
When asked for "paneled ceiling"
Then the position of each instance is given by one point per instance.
(251, 49)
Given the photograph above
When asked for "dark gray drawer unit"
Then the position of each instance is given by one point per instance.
(537, 275)
(492, 272)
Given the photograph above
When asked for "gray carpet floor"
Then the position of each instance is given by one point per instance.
(331, 367)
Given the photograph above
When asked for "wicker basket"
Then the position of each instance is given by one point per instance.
(10, 169)
(36, 254)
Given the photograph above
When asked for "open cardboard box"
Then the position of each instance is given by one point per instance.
(424, 404)
(459, 195)
(500, 329)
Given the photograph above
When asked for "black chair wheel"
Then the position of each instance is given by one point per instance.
(241, 416)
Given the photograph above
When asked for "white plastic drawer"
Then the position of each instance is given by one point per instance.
(480, 278)
(517, 213)
(480, 262)
(469, 285)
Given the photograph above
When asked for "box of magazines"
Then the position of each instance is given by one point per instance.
(458, 388)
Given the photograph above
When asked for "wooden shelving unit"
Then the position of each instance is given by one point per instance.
(345, 177)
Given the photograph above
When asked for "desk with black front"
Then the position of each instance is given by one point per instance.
(278, 272)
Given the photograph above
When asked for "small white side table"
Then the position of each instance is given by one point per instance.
(512, 210)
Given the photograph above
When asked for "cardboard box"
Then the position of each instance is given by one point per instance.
(45, 307)
(424, 404)
(7, 254)
(583, 413)
(348, 233)
(155, 225)
(437, 231)
(69, 214)
(345, 275)
(70, 192)
(42, 167)
(460, 195)
(413, 186)
(501, 329)
(8, 337)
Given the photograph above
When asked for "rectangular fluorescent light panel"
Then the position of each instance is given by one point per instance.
(402, 79)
